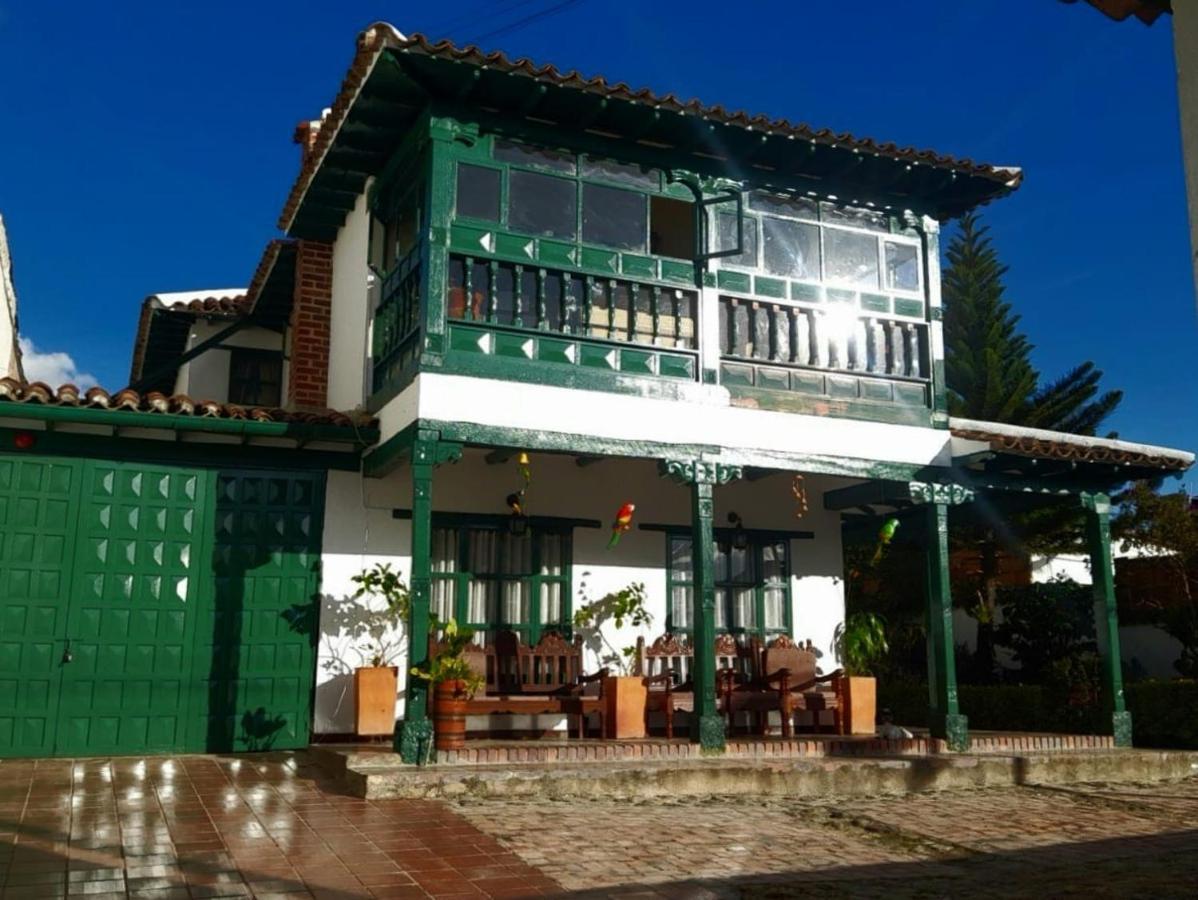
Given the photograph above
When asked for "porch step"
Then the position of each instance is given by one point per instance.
(374, 776)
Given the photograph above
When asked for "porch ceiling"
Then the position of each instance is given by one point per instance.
(393, 77)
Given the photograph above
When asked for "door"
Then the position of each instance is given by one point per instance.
(155, 608)
(131, 628)
(38, 501)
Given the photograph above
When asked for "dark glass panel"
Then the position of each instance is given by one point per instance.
(478, 192)
(542, 205)
(625, 173)
(528, 155)
(614, 218)
(790, 248)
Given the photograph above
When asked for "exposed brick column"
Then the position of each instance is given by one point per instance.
(308, 383)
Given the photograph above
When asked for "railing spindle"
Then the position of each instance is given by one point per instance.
(468, 278)
(518, 297)
(655, 306)
(912, 351)
(634, 296)
(542, 319)
(612, 295)
(492, 290)
(587, 305)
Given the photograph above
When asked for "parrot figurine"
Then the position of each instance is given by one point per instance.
(515, 503)
(622, 523)
(524, 468)
(885, 536)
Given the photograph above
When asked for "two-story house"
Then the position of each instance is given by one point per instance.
(535, 297)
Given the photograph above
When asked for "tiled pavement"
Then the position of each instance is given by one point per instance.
(273, 826)
(267, 826)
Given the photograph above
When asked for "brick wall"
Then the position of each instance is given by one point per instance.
(307, 386)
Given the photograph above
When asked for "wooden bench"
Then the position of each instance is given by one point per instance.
(787, 683)
(666, 666)
(544, 679)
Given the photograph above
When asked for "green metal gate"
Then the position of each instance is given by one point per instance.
(155, 608)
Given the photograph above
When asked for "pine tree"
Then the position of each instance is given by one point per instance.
(988, 359)
(990, 377)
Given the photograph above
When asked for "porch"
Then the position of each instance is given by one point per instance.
(511, 569)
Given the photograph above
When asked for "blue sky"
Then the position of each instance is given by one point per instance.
(147, 146)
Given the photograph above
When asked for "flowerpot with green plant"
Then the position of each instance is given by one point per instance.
(860, 644)
(625, 693)
(380, 628)
(454, 680)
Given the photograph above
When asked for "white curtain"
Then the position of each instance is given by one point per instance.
(551, 591)
(444, 562)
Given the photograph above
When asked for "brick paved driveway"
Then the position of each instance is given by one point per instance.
(273, 826)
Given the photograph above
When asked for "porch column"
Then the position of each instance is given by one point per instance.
(414, 738)
(945, 717)
(707, 727)
(1098, 538)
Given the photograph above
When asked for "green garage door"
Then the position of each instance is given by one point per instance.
(153, 608)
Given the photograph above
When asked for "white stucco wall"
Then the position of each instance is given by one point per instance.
(711, 421)
(207, 376)
(359, 531)
(350, 313)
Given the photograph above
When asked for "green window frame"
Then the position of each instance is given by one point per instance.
(752, 585)
(583, 170)
(491, 579)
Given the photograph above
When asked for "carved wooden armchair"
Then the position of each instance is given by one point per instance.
(667, 667)
(787, 683)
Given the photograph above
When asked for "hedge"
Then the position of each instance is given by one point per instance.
(1164, 713)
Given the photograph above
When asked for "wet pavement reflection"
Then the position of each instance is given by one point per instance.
(264, 825)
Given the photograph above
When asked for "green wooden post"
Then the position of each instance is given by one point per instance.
(945, 717)
(414, 738)
(1098, 538)
(707, 727)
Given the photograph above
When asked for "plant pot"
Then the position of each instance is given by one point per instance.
(859, 709)
(375, 689)
(449, 715)
(625, 714)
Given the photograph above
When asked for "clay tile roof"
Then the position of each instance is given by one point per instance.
(383, 36)
(1041, 444)
(154, 403)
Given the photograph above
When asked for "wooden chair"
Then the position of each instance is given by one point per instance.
(788, 683)
(667, 667)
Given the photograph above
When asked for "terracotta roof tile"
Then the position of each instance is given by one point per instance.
(155, 403)
(1041, 444)
(382, 36)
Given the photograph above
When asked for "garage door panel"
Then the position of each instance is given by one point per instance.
(37, 540)
(135, 571)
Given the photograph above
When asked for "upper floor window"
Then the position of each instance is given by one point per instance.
(577, 198)
(752, 584)
(394, 235)
(255, 377)
(796, 237)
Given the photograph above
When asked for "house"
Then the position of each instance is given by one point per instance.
(729, 321)
(10, 351)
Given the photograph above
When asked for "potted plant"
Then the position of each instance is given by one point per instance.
(626, 692)
(860, 644)
(382, 626)
(454, 681)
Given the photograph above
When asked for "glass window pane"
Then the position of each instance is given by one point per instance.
(551, 603)
(727, 226)
(851, 258)
(740, 566)
(680, 558)
(902, 266)
(517, 554)
(515, 602)
(614, 217)
(790, 248)
(855, 216)
(478, 192)
(528, 155)
(442, 602)
(797, 207)
(482, 605)
(445, 550)
(744, 608)
(542, 204)
(775, 613)
(482, 552)
(721, 611)
(551, 554)
(625, 173)
(680, 607)
(721, 561)
(773, 562)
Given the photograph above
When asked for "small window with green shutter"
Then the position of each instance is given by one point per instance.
(752, 584)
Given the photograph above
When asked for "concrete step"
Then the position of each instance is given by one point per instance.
(381, 776)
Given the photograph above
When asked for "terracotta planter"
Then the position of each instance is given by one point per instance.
(625, 714)
(375, 689)
(449, 715)
(859, 710)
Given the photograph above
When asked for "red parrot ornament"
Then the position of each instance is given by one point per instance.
(622, 523)
(515, 503)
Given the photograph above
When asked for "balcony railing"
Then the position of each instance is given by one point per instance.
(551, 315)
(836, 350)
(397, 322)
